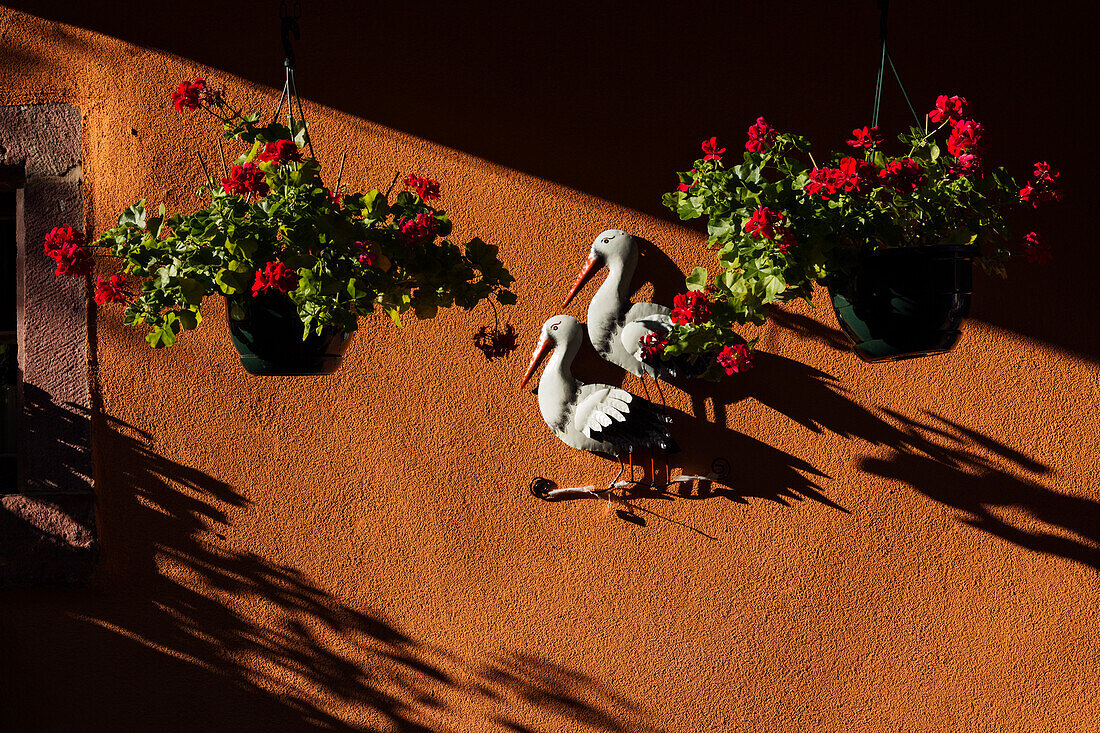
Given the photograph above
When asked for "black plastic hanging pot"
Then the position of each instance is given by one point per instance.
(269, 339)
(905, 302)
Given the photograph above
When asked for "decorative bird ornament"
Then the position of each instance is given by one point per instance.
(598, 418)
(615, 325)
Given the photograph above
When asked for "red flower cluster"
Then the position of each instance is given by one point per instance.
(851, 174)
(425, 188)
(188, 95)
(967, 165)
(865, 137)
(1036, 250)
(111, 290)
(419, 229)
(653, 345)
(193, 94)
(1043, 186)
(735, 358)
(768, 224)
(825, 182)
(966, 136)
(713, 152)
(761, 136)
(66, 248)
(275, 276)
(901, 175)
(949, 108)
(368, 253)
(857, 175)
(280, 152)
(764, 223)
(691, 307)
(244, 179)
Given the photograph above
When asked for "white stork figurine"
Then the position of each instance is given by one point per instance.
(598, 418)
(615, 325)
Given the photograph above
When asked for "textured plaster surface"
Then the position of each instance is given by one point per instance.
(902, 547)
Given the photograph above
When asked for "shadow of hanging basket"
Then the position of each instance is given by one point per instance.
(269, 340)
(905, 302)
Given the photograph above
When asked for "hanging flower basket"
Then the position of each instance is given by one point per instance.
(268, 337)
(905, 302)
(892, 235)
(297, 261)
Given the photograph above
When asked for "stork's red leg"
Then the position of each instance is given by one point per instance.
(622, 468)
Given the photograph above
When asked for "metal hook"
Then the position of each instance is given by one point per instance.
(288, 26)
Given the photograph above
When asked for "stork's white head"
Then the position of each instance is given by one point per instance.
(610, 244)
(556, 333)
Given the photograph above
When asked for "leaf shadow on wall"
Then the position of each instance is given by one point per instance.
(950, 463)
(178, 626)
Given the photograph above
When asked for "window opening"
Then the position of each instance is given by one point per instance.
(9, 348)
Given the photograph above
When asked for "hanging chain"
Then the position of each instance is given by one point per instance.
(884, 12)
(288, 21)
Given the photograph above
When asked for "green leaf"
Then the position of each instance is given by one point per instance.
(772, 287)
(697, 280)
(193, 291)
(189, 320)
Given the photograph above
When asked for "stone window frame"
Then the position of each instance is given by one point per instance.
(47, 529)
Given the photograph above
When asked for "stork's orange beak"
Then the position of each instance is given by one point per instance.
(541, 350)
(587, 272)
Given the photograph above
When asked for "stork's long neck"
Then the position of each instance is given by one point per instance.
(559, 367)
(612, 300)
(557, 387)
(614, 295)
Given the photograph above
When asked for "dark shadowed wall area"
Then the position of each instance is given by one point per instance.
(912, 546)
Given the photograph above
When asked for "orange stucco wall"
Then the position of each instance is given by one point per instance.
(903, 547)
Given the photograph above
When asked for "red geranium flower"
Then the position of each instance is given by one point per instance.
(949, 108)
(72, 259)
(653, 345)
(691, 307)
(764, 223)
(966, 165)
(59, 237)
(188, 93)
(824, 182)
(275, 276)
(736, 358)
(1043, 186)
(904, 176)
(111, 290)
(761, 136)
(244, 179)
(857, 174)
(425, 188)
(865, 137)
(419, 229)
(966, 136)
(368, 252)
(1036, 250)
(710, 147)
(280, 152)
